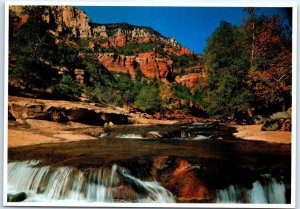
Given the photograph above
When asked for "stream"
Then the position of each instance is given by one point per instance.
(201, 164)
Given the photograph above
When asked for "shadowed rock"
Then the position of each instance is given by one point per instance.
(19, 197)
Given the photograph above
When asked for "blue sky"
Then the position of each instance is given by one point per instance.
(191, 26)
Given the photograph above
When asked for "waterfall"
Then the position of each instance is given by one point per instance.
(271, 192)
(156, 193)
(267, 190)
(46, 183)
(228, 195)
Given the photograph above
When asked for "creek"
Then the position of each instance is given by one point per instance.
(203, 164)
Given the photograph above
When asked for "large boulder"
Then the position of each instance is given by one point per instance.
(181, 178)
(271, 125)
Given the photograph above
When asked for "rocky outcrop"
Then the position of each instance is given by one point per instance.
(100, 32)
(22, 109)
(69, 18)
(191, 80)
(123, 33)
(118, 63)
(151, 67)
(79, 74)
(66, 21)
(160, 68)
(62, 19)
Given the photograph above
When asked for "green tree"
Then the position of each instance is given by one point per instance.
(148, 98)
(67, 56)
(227, 64)
(69, 87)
(167, 96)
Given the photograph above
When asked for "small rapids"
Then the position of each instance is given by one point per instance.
(268, 190)
(130, 136)
(46, 183)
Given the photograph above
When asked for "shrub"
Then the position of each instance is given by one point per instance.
(69, 87)
(148, 99)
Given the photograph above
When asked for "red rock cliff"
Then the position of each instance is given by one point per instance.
(191, 80)
(151, 67)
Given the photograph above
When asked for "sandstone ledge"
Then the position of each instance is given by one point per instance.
(253, 132)
(45, 132)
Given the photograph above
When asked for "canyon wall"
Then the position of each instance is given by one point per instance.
(68, 21)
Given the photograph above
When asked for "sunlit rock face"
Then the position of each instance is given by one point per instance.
(69, 18)
(160, 68)
(191, 80)
(68, 21)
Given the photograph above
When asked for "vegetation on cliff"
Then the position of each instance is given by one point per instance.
(246, 67)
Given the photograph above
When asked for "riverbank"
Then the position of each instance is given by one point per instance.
(254, 132)
(43, 132)
(35, 132)
(38, 121)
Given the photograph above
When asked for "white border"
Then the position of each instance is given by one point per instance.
(168, 3)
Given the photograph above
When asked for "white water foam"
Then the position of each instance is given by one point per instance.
(228, 195)
(130, 136)
(103, 135)
(200, 137)
(66, 184)
(271, 191)
(157, 193)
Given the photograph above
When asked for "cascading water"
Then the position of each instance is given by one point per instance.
(268, 191)
(46, 183)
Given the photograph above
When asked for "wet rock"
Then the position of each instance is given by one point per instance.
(159, 163)
(137, 186)
(19, 197)
(180, 177)
(154, 134)
(186, 182)
(124, 192)
(184, 134)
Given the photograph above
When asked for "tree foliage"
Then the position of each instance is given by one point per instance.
(148, 98)
(227, 64)
(69, 87)
(270, 76)
(31, 50)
